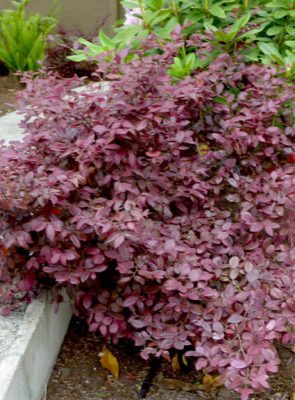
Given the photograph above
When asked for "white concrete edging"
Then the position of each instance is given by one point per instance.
(26, 367)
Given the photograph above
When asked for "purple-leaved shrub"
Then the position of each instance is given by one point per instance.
(165, 209)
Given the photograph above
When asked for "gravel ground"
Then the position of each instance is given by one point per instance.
(79, 376)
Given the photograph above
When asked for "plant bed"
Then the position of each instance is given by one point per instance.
(78, 375)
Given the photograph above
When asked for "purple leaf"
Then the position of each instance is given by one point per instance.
(194, 275)
(50, 232)
(130, 301)
(235, 319)
(252, 275)
(238, 364)
(138, 324)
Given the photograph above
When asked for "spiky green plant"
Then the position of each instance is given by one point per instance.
(23, 38)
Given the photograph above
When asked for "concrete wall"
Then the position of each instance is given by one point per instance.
(25, 367)
(79, 14)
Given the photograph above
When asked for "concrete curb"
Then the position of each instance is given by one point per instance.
(26, 367)
(9, 127)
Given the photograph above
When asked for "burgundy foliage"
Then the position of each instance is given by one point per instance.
(60, 47)
(166, 210)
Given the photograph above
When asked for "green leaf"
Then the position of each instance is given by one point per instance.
(221, 36)
(235, 90)
(190, 61)
(105, 40)
(254, 32)
(160, 17)
(280, 14)
(274, 30)
(164, 32)
(178, 63)
(130, 4)
(252, 55)
(239, 24)
(220, 100)
(277, 4)
(291, 30)
(217, 11)
(267, 48)
(157, 4)
(290, 43)
(78, 57)
(209, 27)
(7, 59)
(127, 33)
(93, 48)
(271, 50)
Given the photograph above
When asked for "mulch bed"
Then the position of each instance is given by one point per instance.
(9, 86)
(78, 375)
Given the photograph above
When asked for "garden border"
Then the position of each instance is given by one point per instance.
(26, 368)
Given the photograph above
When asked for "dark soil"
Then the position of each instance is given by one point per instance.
(78, 375)
(9, 86)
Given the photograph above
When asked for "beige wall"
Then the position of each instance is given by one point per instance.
(81, 14)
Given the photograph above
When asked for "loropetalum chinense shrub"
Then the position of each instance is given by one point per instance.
(165, 209)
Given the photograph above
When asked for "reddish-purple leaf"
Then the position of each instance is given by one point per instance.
(130, 301)
(50, 232)
(138, 324)
(235, 319)
(238, 364)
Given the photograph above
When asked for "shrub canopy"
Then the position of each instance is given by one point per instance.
(165, 209)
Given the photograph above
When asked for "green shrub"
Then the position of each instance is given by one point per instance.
(265, 28)
(22, 38)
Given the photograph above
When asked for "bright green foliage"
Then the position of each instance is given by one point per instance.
(184, 66)
(274, 34)
(22, 38)
(265, 27)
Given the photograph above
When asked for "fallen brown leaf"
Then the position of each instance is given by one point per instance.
(210, 382)
(204, 149)
(175, 363)
(109, 362)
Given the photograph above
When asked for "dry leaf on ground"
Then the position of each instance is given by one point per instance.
(174, 384)
(110, 362)
(175, 363)
(210, 382)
